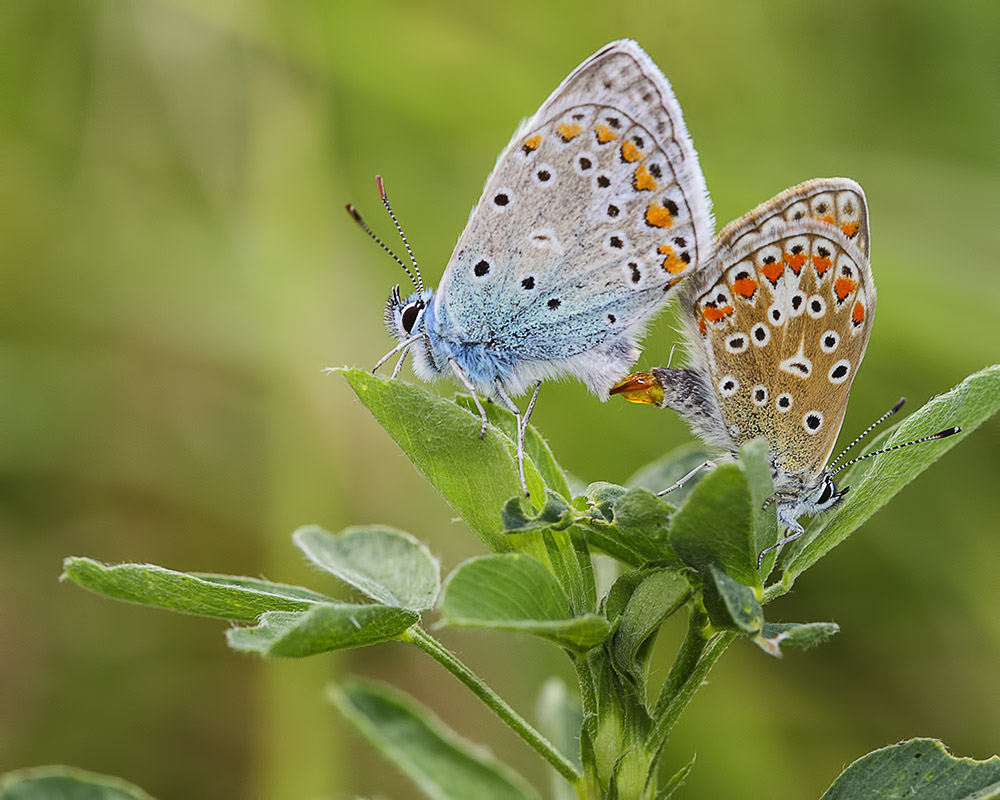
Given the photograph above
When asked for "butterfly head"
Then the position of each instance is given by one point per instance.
(404, 317)
(814, 499)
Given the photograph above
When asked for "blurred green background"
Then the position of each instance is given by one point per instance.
(176, 268)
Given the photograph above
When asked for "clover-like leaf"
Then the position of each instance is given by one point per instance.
(475, 476)
(715, 527)
(389, 566)
(730, 604)
(331, 626)
(221, 596)
(921, 769)
(442, 764)
(514, 592)
(802, 635)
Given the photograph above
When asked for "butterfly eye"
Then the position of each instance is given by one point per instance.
(827, 492)
(409, 316)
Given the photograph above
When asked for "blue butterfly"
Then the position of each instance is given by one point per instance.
(594, 211)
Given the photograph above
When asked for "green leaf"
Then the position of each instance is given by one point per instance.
(565, 554)
(389, 566)
(57, 782)
(332, 626)
(442, 764)
(535, 447)
(475, 476)
(715, 526)
(560, 717)
(921, 769)
(231, 598)
(654, 598)
(260, 585)
(793, 634)
(670, 468)
(756, 465)
(730, 604)
(515, 592)
(968, 405)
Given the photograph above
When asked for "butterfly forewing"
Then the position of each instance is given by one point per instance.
(784, 317)
(593, 212)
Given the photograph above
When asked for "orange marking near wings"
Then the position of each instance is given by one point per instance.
(672, 263)
(532, 143)
(858, 314)
(642, 181)
(630, 152)
(605, 134)
(568, 131)
(795, 261)
(821, 264)
(713, 314)
(658, 216)
(843, 287)
(745, 287)
(773, 271)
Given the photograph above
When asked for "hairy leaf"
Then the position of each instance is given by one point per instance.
(225, 597)
(332, 626)
(388, 565)
(442, 764)
(515, 592)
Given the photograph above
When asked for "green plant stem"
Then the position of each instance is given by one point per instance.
(497, 704)
(701, 649)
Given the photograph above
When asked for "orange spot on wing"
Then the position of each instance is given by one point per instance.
(773, 271)
(658, 216)
(642, 181)
(604, 134)
(821, 264)
(568, 130)
(702, 328)
(795, 261)
(843, 287)
(630, 152)
(672, 263)
(745, 287)
(858, 314)
(828, 219)
(532, 143)
(849, 229)
(713, 314)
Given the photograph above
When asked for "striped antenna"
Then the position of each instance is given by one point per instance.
(939, 435)
(419, 282)
(866, 431)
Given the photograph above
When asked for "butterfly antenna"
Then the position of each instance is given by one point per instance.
(419, 282)
(939, 435)
(866, 431)
(364, 226)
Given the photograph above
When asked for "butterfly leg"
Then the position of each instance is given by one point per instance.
(475, 397)
(678, 484)
(796, 531)
(522, 423)
(399, 364)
